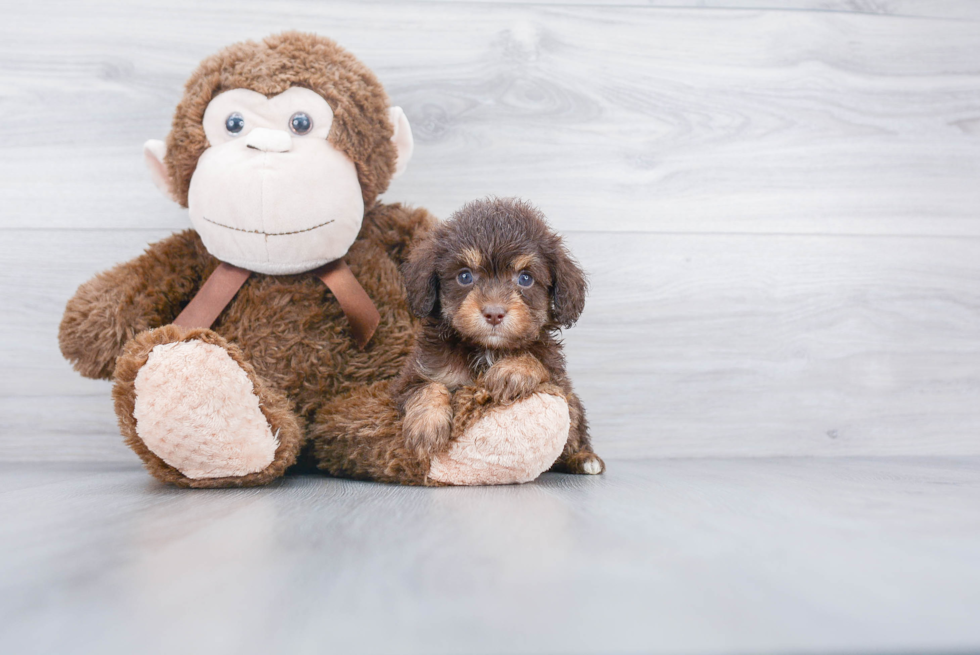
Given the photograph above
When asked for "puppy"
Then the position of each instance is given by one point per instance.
(494, 285)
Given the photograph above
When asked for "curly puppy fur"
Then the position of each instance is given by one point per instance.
(494, 285)
(288, 332)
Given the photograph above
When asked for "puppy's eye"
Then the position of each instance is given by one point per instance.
(300, 123)
(464, 277)
(235, 123)
(525, 279)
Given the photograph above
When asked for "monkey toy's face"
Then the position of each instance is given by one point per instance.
(271, 193)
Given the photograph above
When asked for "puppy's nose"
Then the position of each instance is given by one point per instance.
(494, 314)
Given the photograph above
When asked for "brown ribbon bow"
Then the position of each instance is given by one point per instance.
(224, 283)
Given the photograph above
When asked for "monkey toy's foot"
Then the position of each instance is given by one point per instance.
(503, 444)
(197, 414)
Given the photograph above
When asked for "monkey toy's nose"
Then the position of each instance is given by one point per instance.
(266, 140)
(494, 314)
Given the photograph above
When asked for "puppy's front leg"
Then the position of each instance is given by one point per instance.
(428, 421)
(514, 378)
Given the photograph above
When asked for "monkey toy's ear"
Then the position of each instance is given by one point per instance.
(422, 280)
(568, 286)
(402, 138)
(154, 152)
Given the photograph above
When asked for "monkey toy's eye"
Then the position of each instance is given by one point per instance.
(525, 279)
(235, 123)
(300, 123)
(464, 277)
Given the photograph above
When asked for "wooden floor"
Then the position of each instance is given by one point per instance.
(778, 203)
(769, 555)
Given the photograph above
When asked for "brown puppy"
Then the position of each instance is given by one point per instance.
(494, 285)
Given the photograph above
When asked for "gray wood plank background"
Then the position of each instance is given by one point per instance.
(778, 202)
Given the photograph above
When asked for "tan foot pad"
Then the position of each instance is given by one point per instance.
(196, 409)
(509, 445)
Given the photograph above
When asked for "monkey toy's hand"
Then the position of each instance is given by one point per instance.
(514, 378)
(428, 421)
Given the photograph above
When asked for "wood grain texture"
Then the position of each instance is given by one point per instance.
(669, 556)
(690, 345)
(778, 204)
(945, 9)
(625, 118)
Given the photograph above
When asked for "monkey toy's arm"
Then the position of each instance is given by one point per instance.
(397, 228)
(146, 292)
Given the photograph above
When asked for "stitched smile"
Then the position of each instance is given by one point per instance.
(268, 234)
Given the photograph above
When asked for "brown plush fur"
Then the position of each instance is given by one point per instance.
(287, 332)
(359, 436)
(494, 285)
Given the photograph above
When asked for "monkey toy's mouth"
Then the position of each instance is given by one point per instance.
(274, 214)
(268, 234)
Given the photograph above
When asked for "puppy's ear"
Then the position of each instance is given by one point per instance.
(421, 278)
(568, 286)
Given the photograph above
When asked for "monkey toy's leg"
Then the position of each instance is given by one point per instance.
(359, 435)
(198, 415)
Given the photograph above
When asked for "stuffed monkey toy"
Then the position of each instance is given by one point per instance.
(233, 344)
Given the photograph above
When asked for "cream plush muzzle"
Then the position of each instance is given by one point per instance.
(267, 198)
(272, 211)
(270, 201)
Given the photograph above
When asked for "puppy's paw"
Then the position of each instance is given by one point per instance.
(427, 434)
(514, 378)
(428, 423)
(582, 464)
